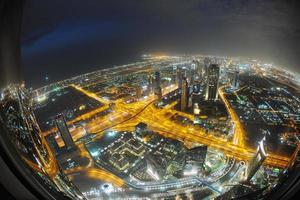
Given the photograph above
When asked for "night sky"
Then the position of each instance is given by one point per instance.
(61, 39)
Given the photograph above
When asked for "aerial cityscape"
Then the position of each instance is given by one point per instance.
(164, 127)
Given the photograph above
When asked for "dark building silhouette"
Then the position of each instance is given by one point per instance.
(184, 94)
(157, 88)
(64, 131)
(206, 62)
(235, 81)
(212, 82)
(197, 154)
(179, 77)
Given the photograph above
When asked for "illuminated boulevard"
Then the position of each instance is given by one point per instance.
(126, 116)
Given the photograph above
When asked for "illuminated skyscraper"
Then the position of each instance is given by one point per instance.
(196, 88)
(196, 66)
(184, 94)
(212, 82)
(257, 159)
(196, 109)
(64, 131)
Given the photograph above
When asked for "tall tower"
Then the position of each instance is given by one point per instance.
(196, 109)
(157, 79)
(158, 93)
(157, 88)
(179, 77)
(206, 61)
(257, 159)
(62, 127)
(53, 143)
(184, 94)
(196, 66)
(235, 81)
(150, 84)
(199, 68)
(138, 92)
(212, 82)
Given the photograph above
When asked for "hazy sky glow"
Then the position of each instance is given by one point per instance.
(65, 38)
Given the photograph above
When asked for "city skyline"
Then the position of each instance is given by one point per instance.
(85, 37)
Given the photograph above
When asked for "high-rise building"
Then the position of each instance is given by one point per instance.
(194, 65)
(150, 84)
(152, 170)
(196, 88)
(53, 143)
(200, 70)
(207, 62)
(197, 67)
(257, 159)
(157, 79)
(157, 88)
(158, 93)
(235, 81)
(212, 83)
(174, 78)
(190, 76)
(179, 77)
(196, 96)
(141, 128)
(64, 131)
(184, 94)
(197, 154)
(196, 109)
(138, 92)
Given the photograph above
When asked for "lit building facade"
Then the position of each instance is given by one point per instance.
(257, 159)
